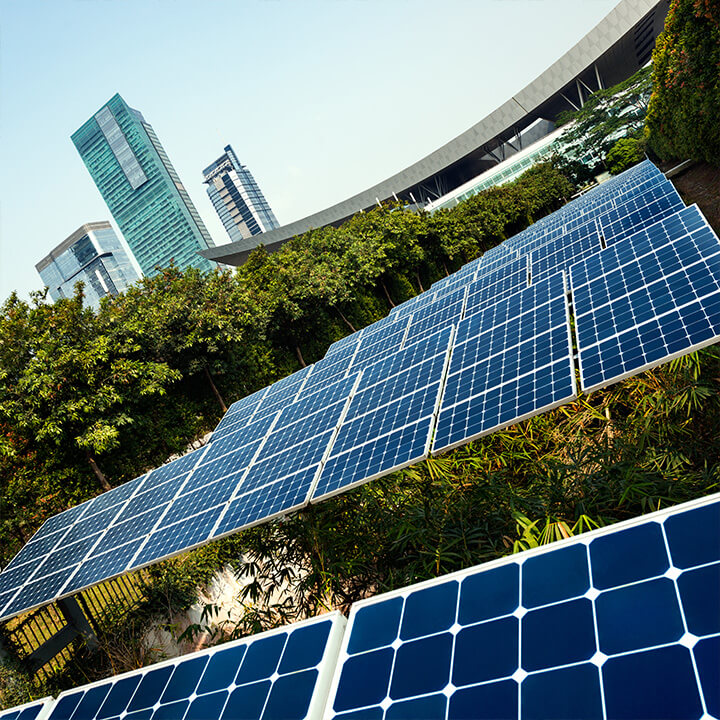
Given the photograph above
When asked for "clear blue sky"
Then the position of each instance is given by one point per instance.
(320, 99)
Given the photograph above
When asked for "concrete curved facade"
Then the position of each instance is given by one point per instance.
(616, 48)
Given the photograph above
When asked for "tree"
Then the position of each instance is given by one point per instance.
(682, 119)
(625, 153)
(607, 115)
(66, 389)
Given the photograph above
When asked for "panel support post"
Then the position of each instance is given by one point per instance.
(75, 617)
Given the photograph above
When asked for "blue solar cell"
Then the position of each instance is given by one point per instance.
(470, 667)
(247, 678)
(628, 556)
(692, 537)
(417, 622)
(509, 362)
(707, 659)
(658, 684)
(653, 607)
(646, 300)
(489, 594)
(572, 649)
(564, 694)
(700, 598)
(558, 635)
(572, 562)
(485, 702)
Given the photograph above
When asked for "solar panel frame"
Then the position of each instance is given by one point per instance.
(259, 662)
(480, 609)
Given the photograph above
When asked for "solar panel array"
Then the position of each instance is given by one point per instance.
(621, 622)
(492, 344)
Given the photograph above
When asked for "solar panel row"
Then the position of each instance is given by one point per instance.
(373, 403)
(619, 623)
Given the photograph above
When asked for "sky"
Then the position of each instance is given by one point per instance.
(319, 98)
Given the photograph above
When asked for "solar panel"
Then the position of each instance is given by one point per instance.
(497, 284)
(647, 299)
(281, 674)
(390, 418)
(445, 311)
(380, 344)
(638, 212)
(282, 474)
(35, 710)
(509, 362)
(562, 252)
(618, 623)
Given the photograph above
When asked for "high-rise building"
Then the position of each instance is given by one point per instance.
(93, 254)
(239, 202)
(140, 186)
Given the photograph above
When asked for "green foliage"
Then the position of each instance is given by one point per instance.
(625, 153)
(607, 114)
(682, 119)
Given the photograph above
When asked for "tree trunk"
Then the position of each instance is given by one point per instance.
(417, 277)
(300, 357)
(98, 472)
(347, 322)
(387, 294)
(447, 272)
(215, 390)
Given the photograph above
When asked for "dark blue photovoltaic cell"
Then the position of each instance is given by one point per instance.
(510, 361)
(575, 647)
(278, 671)
(646, 299)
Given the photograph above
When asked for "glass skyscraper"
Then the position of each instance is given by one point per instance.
(93, 254)
(140, 186)
(242, 207)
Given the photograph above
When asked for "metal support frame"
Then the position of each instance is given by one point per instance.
(77, 626)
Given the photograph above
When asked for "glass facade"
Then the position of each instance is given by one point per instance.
(142, 189)
(238, 200)
(94, 255)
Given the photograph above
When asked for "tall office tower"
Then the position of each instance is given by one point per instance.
(242, 207)
(93, 254)
(142, 189)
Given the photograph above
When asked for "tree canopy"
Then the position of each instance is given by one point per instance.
(682, 121)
